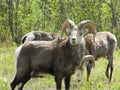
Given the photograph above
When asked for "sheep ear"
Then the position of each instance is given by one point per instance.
(67, 26)
(68, 31)
(86, 30)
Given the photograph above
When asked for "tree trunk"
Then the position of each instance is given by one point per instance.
(10, 16)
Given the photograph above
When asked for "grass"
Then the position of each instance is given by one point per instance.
(98, 80)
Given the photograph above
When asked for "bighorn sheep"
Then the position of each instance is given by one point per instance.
(38, 35)
(104, 46)
(59, 58)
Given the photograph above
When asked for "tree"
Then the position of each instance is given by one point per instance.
(17, 17)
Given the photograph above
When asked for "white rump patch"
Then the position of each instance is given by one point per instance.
(30, 37)
(17, 53)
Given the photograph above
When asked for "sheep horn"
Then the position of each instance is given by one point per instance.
(67, 25)
(88, 24)
(85, 59)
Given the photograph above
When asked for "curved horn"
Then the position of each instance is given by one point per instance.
(85, 59)
(80, 69)
(88, 24)
(67, 25)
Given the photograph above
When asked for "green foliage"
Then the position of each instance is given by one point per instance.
(3, 84)
(105, 17)
(48, 15)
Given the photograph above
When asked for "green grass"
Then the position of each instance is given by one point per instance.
(98, 80)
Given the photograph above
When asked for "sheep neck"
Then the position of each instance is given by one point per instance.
(75, 51)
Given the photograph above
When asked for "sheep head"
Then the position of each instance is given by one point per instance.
(83, 27)
(84, 60)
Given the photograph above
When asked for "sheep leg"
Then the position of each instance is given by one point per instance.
(111, 71)
(14, 83)
(88, 69)
(58, 81)
(67, 82)
(107, 70)
(24, 80)
(110, 67)
(20, 82)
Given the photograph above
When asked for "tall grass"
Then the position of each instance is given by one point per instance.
(98, 80)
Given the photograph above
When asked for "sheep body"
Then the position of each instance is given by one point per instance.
(104, 46)
(50, 58)
(38, 35)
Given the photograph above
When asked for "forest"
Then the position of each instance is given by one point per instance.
(18, 17)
